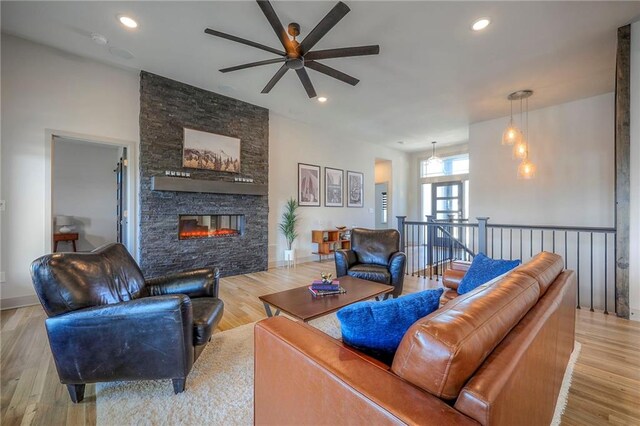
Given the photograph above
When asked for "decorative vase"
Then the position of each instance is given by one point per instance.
(290, 257)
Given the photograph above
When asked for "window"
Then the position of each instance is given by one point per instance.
(384, 207)
(454, 165)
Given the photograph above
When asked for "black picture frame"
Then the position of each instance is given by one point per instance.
(333, 192)
(309, 185)
(355, 189)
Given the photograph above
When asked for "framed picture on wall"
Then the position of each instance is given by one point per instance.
(308, 185)
(355, 189)
(333, 187)
(208, 151)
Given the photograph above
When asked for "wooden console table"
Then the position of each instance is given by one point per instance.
(71, 237)
(329, 241)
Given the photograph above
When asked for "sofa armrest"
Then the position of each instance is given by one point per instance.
(146, 338)
(306, 377)
(452, 278)
(195, 283)
(345, 259)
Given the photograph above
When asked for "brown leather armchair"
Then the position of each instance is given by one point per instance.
(374, 256)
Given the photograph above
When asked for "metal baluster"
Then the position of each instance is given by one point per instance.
(430, 230)
(615, 269)
(510, 243)
(418, 250)
(531, 243)
(578, 267)
(606, 312)
(424, 250)
(541, 240)
(591, 262)
(553, 238)
(413, 253)
(565, 249)
(473, 240)
(492, 244)
(520, 243)
(501, 241)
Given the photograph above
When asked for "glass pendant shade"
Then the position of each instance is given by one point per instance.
(526, 169)
(511, 135)
(521, 150)
(435, 165)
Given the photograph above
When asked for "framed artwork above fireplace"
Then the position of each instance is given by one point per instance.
(208, 151)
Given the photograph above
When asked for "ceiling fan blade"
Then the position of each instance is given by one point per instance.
(244, 41)
(273, 19)
(331, 72)
(306, 82)
(329, 21)
(343, 52)
(276, 77)
(253, 64)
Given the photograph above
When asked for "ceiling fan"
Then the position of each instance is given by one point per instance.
(298, 55)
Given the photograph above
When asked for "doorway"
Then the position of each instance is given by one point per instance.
(91, 192)
(383, 194)
(88, 196)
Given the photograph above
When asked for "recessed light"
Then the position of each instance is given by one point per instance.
(322, 99)
(480, 24)
(401, 142)
(127, 21)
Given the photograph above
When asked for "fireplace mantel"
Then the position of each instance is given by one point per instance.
(177, 184)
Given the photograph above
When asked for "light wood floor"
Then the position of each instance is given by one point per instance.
(605, 390)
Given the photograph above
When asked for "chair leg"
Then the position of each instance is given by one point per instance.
(178, 385)
(76, 392)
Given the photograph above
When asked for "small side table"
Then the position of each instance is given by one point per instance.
(67, 237)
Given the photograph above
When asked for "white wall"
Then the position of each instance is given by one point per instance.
(634, 238)
(84, 187)
(46, 89)
(572, 145)
(292, 142)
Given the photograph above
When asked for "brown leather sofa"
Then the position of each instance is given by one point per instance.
(493, 356)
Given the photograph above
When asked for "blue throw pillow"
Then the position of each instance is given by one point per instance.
(483, 269)
(377, 328)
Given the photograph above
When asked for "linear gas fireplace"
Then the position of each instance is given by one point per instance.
(210, 226)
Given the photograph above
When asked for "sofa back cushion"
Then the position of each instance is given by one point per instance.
(544, 268)
(69, 281)
(375, 245)
(440, 352)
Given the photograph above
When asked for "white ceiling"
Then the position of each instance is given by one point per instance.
(433, 77)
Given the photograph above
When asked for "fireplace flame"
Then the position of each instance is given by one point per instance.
(207, 233)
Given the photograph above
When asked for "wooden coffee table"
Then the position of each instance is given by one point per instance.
(301, 304)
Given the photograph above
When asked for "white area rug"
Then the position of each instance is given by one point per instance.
(219, 388)
(563, 397)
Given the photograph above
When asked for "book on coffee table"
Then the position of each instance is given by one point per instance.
(315, 292)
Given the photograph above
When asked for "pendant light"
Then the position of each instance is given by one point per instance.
(512, 134)
(526, 169)
(435, 165)
(521, 147)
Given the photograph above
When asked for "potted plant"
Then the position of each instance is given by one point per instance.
(288, 228)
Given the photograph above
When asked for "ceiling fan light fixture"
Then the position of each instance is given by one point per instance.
(322, 99)
(480, 24)
(128, 21)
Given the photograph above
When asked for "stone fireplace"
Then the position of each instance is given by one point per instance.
(189, 223)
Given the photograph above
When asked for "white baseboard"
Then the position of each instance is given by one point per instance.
(19, 302)
(634, 314)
